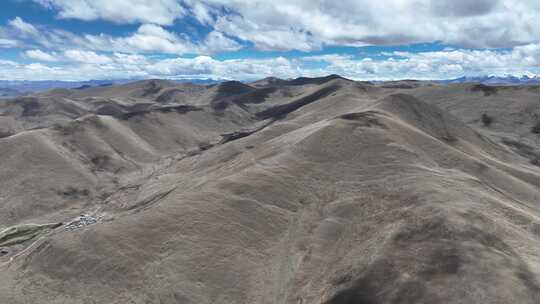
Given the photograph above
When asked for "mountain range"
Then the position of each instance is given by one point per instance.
(24, 87)
(308, 190)
(10, 88)
(497, 80)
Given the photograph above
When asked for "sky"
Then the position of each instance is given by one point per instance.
(77, 40)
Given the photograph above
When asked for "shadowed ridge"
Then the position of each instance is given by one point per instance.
(149, 88)
(152, 87)
(58, 92)
(269, 81)
(181, 92)
(282, 110)
(424, 116)
(402, 84)
(148, 82)
(229, 88)
(487, 90)
(33, 106)
(316, 80)
(226, 92)
(450, 249)
(449, 129)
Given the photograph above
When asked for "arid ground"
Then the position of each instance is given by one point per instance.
(312, 190)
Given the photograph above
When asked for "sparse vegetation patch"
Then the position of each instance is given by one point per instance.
(487, 120)
(536, 128)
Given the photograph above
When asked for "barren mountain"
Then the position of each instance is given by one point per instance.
(312, 190)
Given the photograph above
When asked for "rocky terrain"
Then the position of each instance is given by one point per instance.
(311, 190)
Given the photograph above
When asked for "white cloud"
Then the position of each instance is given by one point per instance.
(434, 65)
(200, 11)
(87, 57)
(40, 55)
(82, 64)
(306, 24)
(162, 12)
(23, 27)
(445, 64)
(129, 59)
(312, 24)
(8, 43)
(218, 42)
(149, 38)
(328, 57)
(135, 66)
(264, 37)
(205, 66)
(8, 63)
(153, 38)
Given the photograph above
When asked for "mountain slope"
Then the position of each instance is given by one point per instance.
(316, 191)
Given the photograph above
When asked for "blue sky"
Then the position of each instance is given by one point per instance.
(250, 39)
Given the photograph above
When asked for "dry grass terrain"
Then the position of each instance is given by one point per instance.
(312, 190)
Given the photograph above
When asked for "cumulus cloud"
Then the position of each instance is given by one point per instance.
(87, 57)
(463, 8)
(23, 27)
(306, 24)
(8, 63)
(207, 67)
(8, 43)
(148, 38)
(434, 65)
(40, 55)
(122, 66)
(129, 59)
(267, 38)
(445, 64)
(217, 42)
(487, 36)
(311, 24)
(153, 38)
(162, 12)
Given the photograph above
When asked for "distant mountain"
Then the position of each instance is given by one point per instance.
(497, 80)
(10, 88)
(9, 92)
(198, 80)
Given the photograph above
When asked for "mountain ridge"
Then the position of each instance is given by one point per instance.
(25, 87)
(318, 190)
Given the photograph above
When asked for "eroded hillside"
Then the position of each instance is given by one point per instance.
(312, 190)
